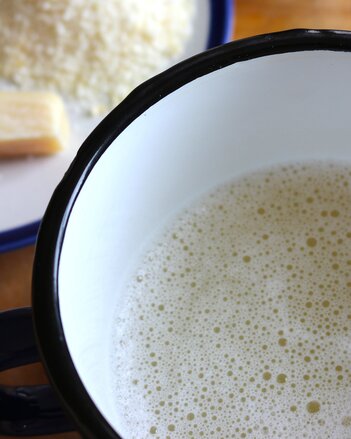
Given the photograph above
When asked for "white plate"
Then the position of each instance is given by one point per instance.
(27, 184)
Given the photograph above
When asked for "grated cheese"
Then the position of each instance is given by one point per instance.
(93, 51)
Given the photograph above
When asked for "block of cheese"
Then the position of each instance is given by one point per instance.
(32, 123)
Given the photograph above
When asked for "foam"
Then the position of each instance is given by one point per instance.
(238, 319)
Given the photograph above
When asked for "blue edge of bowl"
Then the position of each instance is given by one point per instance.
(221, 28)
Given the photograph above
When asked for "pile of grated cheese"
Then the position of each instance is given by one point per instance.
(92, 51)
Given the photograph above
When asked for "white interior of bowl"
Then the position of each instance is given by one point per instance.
(255, 113)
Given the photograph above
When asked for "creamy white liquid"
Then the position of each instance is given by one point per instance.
(238, 320)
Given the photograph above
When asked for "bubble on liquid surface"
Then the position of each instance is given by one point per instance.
(239, 324)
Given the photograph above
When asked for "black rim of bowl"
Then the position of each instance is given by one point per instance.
(47, 321)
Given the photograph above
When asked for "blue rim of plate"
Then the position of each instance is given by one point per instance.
(221, 28)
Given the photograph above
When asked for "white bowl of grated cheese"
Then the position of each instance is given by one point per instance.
(170, 32)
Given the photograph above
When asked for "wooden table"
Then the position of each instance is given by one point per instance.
(252, 17)
(262, 16)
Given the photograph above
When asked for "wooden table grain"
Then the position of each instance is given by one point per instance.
(252, 17)
(261, 16)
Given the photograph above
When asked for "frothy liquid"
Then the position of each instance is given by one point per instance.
(238, 322)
